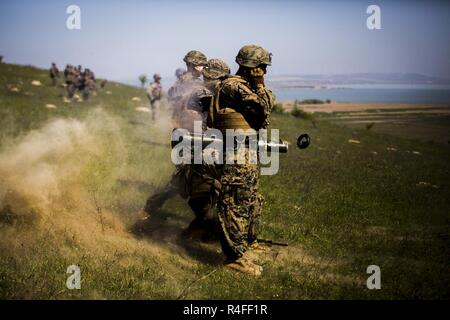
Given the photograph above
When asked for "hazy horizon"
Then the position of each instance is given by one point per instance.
(121, 40)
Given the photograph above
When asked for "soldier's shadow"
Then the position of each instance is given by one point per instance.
(166, 229)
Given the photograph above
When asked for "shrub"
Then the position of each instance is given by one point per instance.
(312, 101)
(300, 113)
(278, 108)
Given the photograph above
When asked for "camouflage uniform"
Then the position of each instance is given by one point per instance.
(86, 84)
(54, 73)
(203, 183)
(180, 92)
(154, 93)
(198, 183)
(72, 80)
(239, 204)
(179, 95)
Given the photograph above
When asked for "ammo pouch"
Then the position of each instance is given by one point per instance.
(226, 118)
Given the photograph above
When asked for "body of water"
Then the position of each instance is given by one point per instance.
(382, 93)
(419, 94)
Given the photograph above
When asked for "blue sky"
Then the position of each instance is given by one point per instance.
(121, 39)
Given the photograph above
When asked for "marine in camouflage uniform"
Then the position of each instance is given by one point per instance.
(54, 73)
(180, 98)
(103, 83)
(87, 83)
(203, 182)
(198, 183)
(242, 102)
(72, 80)
(154, 94)
(180, 92)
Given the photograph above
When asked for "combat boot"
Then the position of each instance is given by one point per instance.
(257, 247)
(244, 265)
(156, 201)
(195, 230)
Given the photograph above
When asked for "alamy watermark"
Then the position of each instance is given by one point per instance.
(74, 280)
(73, 21)
(374, 280)
(373, 22)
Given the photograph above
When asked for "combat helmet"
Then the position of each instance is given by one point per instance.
(252, 56)
(179, 72)
(215, 69)
(196, 58)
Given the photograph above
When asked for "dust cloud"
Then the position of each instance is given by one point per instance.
(51, 177)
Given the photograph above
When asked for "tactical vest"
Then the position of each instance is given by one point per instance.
(226, 117)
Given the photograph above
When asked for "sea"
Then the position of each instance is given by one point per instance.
(382, 93)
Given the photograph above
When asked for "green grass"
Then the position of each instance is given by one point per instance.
(341, 206)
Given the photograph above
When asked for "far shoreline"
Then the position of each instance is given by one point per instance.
(334, 106)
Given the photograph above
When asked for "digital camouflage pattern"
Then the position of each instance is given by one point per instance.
(240, 203)
(215, 69)
(254, 104)
(238, 207)
(251, 56)
(195, 58)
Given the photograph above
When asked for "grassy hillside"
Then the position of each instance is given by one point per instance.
(73, 177)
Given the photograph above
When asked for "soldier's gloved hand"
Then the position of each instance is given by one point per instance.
(257, 77)
(257, 82)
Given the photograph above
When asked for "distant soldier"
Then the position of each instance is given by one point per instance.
(54, 73)
(84, 86)
(1, 59)
(179, 73)
(86, 83)
(72, 80)
(154, 93)
(90, 74)
(103, 83)
(66, 71)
